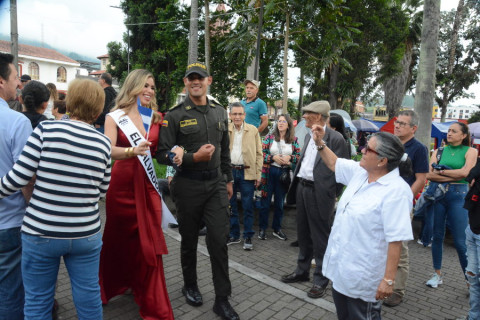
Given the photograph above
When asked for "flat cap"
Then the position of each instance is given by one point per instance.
(321, 107)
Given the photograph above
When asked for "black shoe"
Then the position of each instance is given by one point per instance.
(317, 291)
(223, 308)
(203, 231)
(294, 243)
(293, 277)
(192, 295)
(262, 235)
(232, 240)
(280, 235)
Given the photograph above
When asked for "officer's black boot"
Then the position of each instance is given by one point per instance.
(223, 308)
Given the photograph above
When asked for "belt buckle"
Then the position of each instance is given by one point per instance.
(205, 175)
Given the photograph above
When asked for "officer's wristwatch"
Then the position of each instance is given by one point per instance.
(389, 282)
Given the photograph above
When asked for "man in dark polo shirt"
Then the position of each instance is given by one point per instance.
(405, 127)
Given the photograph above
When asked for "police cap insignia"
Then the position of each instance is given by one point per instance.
(197, 67)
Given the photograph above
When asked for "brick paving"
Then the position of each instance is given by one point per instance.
(258, 293)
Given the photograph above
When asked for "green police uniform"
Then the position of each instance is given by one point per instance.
(199, 189)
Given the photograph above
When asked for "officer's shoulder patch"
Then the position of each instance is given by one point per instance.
(188, 107)
(164, 123)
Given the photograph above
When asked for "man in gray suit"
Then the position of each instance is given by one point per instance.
(313, 190)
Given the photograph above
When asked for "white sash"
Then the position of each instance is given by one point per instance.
(135, 138)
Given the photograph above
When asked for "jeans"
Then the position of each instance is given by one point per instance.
(40, 264)
(246, 188)
(450, 207)
(11, 287)
(274, 187)
(473, 255)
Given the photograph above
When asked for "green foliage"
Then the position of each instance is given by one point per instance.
(160, 48)
(466, 67)
(160, 169)
(475, 117)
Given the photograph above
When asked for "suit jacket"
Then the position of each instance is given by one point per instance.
(324, 178)
(251, 150)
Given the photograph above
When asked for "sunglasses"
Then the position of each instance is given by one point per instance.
(368, 149)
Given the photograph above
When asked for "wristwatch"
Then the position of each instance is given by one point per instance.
(389, 282)
(321, 146)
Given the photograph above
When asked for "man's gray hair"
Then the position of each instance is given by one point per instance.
(236, 105)
(413, 116)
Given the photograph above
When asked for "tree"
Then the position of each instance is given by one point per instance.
(396, 86)
(158, 43)
(458, 55)
(375, 55)
(193, 34)
(425, 90)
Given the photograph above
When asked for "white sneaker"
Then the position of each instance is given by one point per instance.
(435, 280)
(419, 241)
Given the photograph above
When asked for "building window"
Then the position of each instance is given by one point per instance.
(61, 74)
(34, 71)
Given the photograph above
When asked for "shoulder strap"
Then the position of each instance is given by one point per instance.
(439, 154)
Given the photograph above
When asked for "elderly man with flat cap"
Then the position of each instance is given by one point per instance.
(255, 108)
(314, 191)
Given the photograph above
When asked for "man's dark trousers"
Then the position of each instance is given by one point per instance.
(208, 200)
(314, 218)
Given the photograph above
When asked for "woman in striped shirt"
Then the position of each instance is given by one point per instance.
(71, 161)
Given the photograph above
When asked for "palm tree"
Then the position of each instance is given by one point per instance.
(425, 90)
(193, 38)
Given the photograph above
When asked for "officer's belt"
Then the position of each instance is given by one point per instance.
(198, 175)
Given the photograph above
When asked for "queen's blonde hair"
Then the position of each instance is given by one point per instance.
(132, 88)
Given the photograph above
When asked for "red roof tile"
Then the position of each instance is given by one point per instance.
(27, 50)
(103, 56)
(94, 73)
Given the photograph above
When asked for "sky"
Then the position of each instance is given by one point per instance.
(87, 26)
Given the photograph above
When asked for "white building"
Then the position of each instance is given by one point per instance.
(45, 65)
(455, 112)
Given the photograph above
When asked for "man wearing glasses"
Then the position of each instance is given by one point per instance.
(247, 158)
(196, 131)
(405, 127)
(313, 191)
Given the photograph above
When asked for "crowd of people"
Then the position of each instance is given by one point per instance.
(57, 163)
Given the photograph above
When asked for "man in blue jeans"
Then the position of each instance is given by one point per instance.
(405, 127)
(15, 129)
(247, 158)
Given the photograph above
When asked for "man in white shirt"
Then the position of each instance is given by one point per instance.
(247, 158)
(313, 190)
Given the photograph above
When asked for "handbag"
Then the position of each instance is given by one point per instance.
(285, 178)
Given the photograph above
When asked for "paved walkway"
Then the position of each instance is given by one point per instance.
(258, 294)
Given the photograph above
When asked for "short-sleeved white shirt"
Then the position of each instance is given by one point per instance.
(369, 216)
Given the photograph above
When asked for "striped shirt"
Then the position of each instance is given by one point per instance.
(71, 161)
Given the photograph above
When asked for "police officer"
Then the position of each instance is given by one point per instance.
(194, 137)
